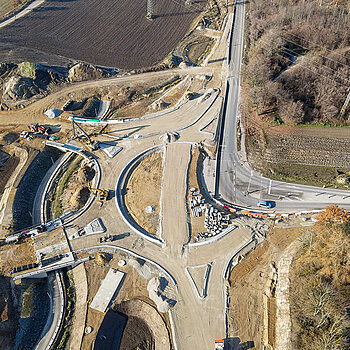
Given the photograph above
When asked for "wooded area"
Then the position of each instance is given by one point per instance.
(320, 284)
(297, 66)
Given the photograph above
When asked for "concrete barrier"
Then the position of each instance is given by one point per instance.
(88, 156)
(212, 239)
(103, 247)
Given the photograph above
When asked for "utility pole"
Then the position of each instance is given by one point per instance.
(345, 105)
(150, 10)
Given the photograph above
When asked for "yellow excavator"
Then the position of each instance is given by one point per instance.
(189, 95)
(103, 194)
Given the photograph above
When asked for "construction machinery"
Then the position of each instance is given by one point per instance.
(102, 194)
(106, 238)
(219, 345)
(189, 95)
(38, 129)
(92, 145)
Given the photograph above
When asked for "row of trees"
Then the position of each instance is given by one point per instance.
(321, 284)
(298, 64)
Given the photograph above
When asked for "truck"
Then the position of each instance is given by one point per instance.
(38, 129)
(219, 345)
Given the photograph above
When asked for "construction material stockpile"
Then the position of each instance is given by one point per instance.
(214, 221)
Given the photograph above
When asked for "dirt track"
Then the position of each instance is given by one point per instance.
(106, 33)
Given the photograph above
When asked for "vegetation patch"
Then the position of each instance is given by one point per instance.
(56, 206)
(27, 69)
(27, 302)
(65, 330)
(298, 61)
(308, 175)
(197, 50)
(320, 281)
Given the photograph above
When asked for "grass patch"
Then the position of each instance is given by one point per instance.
(56, 207)
(66, 329)
(317, 125)
(304, 174)
(28, 69)
(197, 50)
(27, 303)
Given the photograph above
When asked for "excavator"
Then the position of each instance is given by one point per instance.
(102, 194)
(189, 95)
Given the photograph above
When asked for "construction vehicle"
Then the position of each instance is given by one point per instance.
(38, 129)
(27, 135)
(106, 238)
(103, 194)
(92, 145)
(189, 95)
(219, 345)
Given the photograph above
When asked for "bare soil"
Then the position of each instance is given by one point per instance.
(249, 281)
(144, 105)
(144, 189)
(6, 7)
(142, 338)
(6, 171)
(76, 193)
(13, 255)
(134, 288)
(108, 33)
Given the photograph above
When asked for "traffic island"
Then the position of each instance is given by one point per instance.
(138, 192)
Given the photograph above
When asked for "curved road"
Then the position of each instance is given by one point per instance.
(237, 183)
(197, 322)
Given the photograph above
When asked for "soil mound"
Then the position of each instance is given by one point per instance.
(145, 327)
(25, 80)
(83, 71)
(19, 88)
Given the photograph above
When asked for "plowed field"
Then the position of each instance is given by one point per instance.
(104, 32)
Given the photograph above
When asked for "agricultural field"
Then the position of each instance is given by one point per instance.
(106, 33)
(5, 7)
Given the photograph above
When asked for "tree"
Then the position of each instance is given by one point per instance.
(334, 215)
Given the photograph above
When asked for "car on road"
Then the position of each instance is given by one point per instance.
(266, 204)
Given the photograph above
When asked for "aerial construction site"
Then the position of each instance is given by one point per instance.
(157, 188)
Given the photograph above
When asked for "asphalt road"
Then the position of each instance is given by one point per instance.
(53, 317)
(197, 322)
(237, 182)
